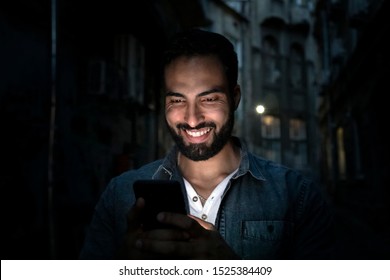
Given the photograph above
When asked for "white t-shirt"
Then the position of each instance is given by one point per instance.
(208, 211)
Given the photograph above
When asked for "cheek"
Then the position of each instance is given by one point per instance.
(172, 116)
(219, 116)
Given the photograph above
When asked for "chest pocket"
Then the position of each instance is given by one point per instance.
(265, 239)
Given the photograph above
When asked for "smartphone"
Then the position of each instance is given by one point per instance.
(160, 196)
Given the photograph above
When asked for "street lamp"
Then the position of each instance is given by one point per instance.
(260, 109)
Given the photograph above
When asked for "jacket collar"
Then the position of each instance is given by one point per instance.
(169, 170)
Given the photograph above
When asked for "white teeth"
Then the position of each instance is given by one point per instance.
(198, 133)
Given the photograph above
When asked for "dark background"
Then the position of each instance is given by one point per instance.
(44, 218)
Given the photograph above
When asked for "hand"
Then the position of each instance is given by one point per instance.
(193, 239)
(134, 231)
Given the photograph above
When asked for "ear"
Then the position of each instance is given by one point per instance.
(236, 96)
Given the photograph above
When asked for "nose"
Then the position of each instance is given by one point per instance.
(194, 115)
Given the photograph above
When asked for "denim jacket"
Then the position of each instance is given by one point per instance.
(268, 211)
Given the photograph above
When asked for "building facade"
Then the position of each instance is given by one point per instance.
(278, 63)
(352, 39)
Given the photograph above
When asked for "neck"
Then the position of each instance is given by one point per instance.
(205, 175)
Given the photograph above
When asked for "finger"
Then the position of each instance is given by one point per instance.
(175, 219)
(134, 215)
(192, 226)
(204, 224)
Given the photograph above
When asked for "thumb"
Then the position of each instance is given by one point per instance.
(205, 225)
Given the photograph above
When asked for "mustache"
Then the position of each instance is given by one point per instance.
(199, 126)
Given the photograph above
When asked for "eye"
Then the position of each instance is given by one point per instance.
(175, 100)
(210, 99)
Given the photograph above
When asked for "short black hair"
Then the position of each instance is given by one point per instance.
(195, 42)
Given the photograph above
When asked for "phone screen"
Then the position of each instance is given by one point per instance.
(160, 196)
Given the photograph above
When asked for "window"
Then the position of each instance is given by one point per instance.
(298, 142)
(301, 2)
(307, 4)
(341, 153)
(297, 66)
(270, 127)
(271, 65)
(297, 130)
(240, 6)
(130, 57)
(270, 131)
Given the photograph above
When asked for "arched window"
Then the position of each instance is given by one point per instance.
(297, 59)
(271, 64)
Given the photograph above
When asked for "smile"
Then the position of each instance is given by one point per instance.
(197, 133)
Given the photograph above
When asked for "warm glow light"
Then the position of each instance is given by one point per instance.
(260, 109)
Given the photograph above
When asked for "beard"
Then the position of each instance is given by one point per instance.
(203, 151)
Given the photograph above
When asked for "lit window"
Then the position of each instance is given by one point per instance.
(297, 129)
(270, 127)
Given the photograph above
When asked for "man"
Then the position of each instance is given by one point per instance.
(240, 206)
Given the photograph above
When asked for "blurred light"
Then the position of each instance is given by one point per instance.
(260, 109)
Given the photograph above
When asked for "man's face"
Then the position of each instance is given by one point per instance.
(197, 108)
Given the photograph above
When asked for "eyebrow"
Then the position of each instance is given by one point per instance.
(213, 90)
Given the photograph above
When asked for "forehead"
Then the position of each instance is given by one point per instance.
(196, 69)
